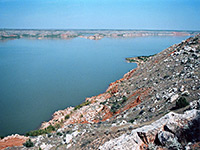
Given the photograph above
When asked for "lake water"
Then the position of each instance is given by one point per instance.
(38, 77)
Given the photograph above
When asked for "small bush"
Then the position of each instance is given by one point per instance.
(59, 134)
(124, 99)
(181, 102)
(50, 128)
(131, 121)
(103, 103)
(85, 143)
(28, 143)
(36, 132)
(141, 112)
(81, 105)
(114, 107)
(58, 125)
(67, 117)
(47, 130)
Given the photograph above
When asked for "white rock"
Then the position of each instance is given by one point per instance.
(185, 93)
(168, 139)
(144, 79)
(68, 146)
(181, 88)
(174, 89)
(123, 122)
(174, 97)
(68, 138)
(134, 142)
(74, 134)
(45, 146)
(114, 124)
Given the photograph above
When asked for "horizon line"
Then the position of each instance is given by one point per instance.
(97, 29)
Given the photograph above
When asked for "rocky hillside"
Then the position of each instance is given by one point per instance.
(155, 106)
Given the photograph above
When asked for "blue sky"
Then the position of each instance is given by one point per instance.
(100, 14)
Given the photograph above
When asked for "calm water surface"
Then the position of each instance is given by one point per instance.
(38, 77)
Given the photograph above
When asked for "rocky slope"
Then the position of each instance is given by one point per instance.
(155, 106)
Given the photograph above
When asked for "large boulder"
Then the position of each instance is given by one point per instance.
(169, 140)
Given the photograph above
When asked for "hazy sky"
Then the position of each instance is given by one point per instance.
(100, 14)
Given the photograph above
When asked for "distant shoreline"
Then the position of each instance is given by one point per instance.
(92, 34)
(100, 29)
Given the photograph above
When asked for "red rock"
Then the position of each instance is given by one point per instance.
(14, 140)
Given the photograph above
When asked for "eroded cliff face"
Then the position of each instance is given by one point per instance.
(124, 117)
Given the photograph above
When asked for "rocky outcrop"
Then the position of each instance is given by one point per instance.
(88, 114)
(172, 131)
(13, 140)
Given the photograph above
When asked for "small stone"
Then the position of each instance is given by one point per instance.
(174, 97)
(157, 96)
(152, 109)
(181, 88)
(185, 93)
(68, 138)
(174, 89)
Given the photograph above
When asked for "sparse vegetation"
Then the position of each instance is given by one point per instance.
(114, 107)
(85, 143)
(81, 105)
(131, 121)
(139, 58)
(59, 134)
(28, 143)
(181, 102)
(67, 117)
(58, 125)
(131, 60)
(124, 99)
(103, 103)
(47, 130)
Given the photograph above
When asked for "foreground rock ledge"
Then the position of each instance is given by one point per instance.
(172, 131)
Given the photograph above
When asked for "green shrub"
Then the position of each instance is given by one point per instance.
(28, 143)
(50, 128)
(124, 99)
(131, 121)
(67, 117)
(114, 107)
(181, 102)
(47, 130)
(59, 134)
(103, 103)
(81, 105)
(36, 132)
(58, 125)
